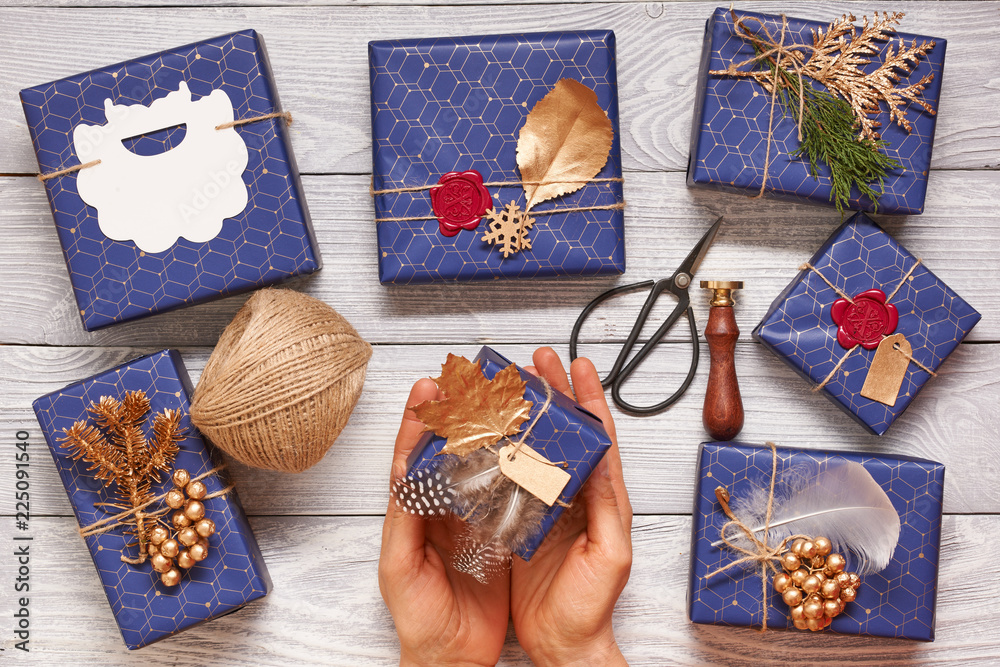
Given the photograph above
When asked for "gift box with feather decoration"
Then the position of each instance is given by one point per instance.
(562, 432)
(897, 601)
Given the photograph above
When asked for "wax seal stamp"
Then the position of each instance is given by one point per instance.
(460, 200)
(865, 320)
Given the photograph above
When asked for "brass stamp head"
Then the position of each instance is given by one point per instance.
(723, 289)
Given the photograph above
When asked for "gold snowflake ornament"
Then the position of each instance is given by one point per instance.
(508, 229)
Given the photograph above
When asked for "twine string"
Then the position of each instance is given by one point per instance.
(833, 373)
(117, 520)
(576, 209)
(527, 431)
(538, 415)
(287, 115)
(490, 184)
(785, 57)
(759, 552)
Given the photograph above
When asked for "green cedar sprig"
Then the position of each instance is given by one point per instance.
(830, 135)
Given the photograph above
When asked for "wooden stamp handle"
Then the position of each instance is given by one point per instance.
(723, 411)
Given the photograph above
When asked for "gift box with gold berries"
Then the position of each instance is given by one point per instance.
(165, 529)
(811, 583)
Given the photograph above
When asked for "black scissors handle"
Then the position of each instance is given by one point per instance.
(621, 371)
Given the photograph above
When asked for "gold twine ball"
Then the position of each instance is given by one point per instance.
(282, 381)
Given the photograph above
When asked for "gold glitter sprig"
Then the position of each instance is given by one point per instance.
(120, 454)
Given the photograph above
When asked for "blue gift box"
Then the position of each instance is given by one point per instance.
(232, 575)
(566, 432)
(265, 233)
(455, 104)
(859, 256)
(896, 602)
(729, 136)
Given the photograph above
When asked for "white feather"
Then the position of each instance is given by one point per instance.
(841, 501)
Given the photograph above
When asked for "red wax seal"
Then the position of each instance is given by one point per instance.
(865, 321)
(460, 200)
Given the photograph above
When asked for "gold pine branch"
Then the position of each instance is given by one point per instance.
(837, 62)
(120, 454)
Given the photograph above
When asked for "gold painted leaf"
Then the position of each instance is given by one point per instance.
(565, 142)
(475, 412)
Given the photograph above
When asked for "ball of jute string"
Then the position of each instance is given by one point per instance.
(282, 381)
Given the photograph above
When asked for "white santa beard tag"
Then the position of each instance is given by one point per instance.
(885, 376)
(533, 472)
(187, 191)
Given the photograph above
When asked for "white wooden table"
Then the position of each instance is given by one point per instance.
(320, 530)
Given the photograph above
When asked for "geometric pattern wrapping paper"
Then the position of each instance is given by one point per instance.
(860, 256)
(896, 602)
(565, 432)
(270, 240)
(232, 575)
(729, 136)
(454, 104)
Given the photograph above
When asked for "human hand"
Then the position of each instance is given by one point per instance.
(561, 601)
(442, 617)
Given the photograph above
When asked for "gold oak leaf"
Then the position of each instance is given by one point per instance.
(565, 142)
(475, 412)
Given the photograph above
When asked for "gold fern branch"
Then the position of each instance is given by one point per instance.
(120, 454)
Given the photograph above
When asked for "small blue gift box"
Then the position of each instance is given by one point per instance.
(566, 432)
(895, 602)
(456, 104)
(801, 328)
(175, 207)
(232, 575)
(729, 138)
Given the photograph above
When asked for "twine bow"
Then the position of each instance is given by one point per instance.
(759, 552)
(841, 293)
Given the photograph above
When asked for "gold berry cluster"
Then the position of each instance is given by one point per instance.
(189, 542)
(814, 584)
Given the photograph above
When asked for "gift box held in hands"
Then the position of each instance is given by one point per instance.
(898, 600)
(171, 179)
(161, 573)
(866, 322)
(469, 172)
(524, 445)
(739, 145)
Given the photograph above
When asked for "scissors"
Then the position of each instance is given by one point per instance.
(677, 285)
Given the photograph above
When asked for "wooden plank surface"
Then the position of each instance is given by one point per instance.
(763, 243)
(320, 530)
(658, 452)
(325, 607)
(319, 56)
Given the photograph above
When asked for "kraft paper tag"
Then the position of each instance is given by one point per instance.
(533, 473)
(887, 370)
